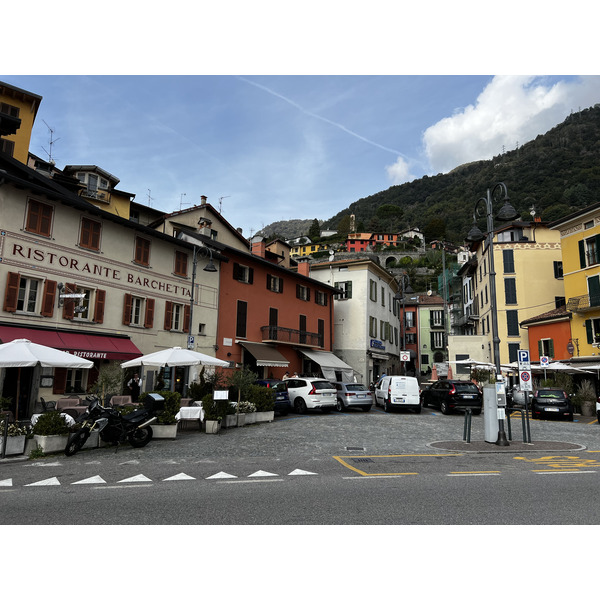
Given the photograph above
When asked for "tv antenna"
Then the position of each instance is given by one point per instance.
(51, 143)
(181, 202)
(149, 197)
(221, 202)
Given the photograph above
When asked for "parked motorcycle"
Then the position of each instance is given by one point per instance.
(115, 427)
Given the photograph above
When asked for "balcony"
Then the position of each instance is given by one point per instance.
(583, 304)
(283, 335)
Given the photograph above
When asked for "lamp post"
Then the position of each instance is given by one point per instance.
(209, 268)
(506, 213)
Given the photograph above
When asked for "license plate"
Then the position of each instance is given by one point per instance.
(400, 399)
(469, 397)
(360, 396)
(552, 409)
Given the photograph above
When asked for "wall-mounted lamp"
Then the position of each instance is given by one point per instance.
(209, 268)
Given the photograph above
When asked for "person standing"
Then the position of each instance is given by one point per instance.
(134, 386)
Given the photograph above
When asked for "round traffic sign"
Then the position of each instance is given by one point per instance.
(525, 376)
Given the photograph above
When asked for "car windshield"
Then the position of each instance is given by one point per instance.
(356, 387)
(468, 387)
(323, 385)
(279, 386)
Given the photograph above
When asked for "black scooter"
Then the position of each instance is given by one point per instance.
(114, 427)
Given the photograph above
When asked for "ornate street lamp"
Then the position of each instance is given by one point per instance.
(209, 268)
(506, 213)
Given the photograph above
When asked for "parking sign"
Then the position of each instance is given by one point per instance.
(524, 362)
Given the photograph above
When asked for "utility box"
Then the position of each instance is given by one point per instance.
(490, 413)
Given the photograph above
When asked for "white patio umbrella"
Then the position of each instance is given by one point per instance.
(174, 357)
(24, 353)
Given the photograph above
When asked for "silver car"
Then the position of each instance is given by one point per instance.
(353, 395)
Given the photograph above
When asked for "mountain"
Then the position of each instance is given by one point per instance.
(286, 230)
(554, 174)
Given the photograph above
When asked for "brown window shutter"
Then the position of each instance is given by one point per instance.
(127, 310)
(12, 292)
(168, 315)
(60, 381)
(186, 318)
(48, 300)
(149, 320)
(99, 308)
(69, 305)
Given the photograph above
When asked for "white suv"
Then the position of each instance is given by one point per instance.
(310, 392)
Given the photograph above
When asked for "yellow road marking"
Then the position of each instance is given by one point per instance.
(341, 460)
(557, 463)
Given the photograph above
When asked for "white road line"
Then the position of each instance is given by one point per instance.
(562, 472)
(470, 474)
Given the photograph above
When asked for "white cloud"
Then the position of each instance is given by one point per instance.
(399, 172)
(510, 110)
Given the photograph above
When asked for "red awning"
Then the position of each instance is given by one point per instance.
(79, 344)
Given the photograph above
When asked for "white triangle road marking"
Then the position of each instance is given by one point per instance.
(95, 479)
(222, 475)
(301, 472)
(262, 474)
(6, 483)
(179, 477)
(51, 481)
(135, 479)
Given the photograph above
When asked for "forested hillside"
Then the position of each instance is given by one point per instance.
(556, 173)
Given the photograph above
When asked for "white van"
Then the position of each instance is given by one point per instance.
(397, 391)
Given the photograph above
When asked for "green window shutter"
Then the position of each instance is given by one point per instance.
(588, 331)
(551, 348)
(540, 349)
(582, 262)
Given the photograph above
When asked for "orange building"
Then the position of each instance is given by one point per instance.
(550, 335)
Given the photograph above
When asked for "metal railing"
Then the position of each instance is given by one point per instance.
(285, 335)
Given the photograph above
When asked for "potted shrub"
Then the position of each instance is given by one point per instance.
(241, 381)
(51, 432)
(248, 409)
(585, 398)
(212, 416)
(264, 400)
(16, 436)
(165, 427)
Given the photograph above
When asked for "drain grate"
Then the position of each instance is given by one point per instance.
(359, 448)
(363, 460)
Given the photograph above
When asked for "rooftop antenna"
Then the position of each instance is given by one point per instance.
(149, 197)
(52, 141)
(181, 202)
(221, 202)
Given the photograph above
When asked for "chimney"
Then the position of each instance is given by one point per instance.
(304, 268)
(259, 246)
(537, 219)
(203, 200)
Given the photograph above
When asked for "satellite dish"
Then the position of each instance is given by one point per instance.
(429, 292)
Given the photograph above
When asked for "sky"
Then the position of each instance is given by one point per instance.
(275, 147)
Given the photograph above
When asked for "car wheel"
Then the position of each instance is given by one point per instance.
(299, 406)
(366, 408)
(446, 410)
(417, 409)
(386, 406)
(339, 406)
(598, 417)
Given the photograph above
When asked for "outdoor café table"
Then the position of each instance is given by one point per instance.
(191, 413)
(68, 419)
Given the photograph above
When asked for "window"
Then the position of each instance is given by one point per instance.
(513, 352)
(372, 327)
(437, 339)
(437, 318)
(409, 319)
(142, 251)
(275, 284)
(177, 317)
(39, 218)
(25, 294)
(90, 234)
(588, 224)
(345, 288)
(593, 285)
(9, 109)
(558, 269)
(512, 322)
(546, 347)
(382, 296)
(510, 291)
(243, 274)
(589, 251)
(75, 382)
(509, 261)
(138, 311)
(321, 298)
(559, 301)
(321, 332)
(302, 327)
(90, 307)
(302, 292)
(181, 263)
(424, 359)
(373, 290)
(28, 294)
(241, 319)
(7, 147)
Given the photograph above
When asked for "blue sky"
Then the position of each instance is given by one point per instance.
(269, 121)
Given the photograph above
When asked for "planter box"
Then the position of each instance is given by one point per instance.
(164, 432)
(14, 444)
(588, 409)
(51, 443)
(241, 419)
(212, 426)
(265, 416)
(229, 421)
(250, 418)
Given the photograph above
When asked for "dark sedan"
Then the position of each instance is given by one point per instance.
(551, 403)
(450, 394)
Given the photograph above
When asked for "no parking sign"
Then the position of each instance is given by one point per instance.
(525, 381)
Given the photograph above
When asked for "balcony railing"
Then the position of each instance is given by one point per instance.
(283, 335)
(584, 303)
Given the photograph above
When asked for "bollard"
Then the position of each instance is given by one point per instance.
(467, 426)
(509, 429)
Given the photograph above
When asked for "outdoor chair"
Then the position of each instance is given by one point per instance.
(48, 406)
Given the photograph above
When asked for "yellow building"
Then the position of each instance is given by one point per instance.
(580, 242)
(307, 249)
(528, 266)
(18, 110)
